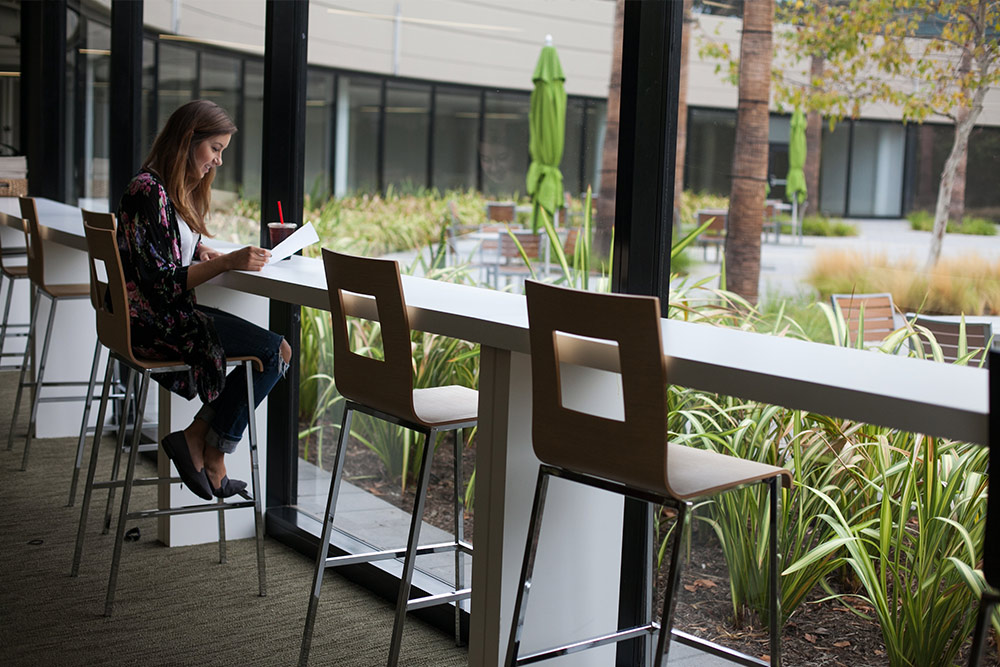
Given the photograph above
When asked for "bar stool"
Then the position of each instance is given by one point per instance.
(9, 274)
(371, 289)
(55, 294)
(570, 327)
(114, 332)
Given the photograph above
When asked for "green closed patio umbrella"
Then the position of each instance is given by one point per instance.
(795, 184)
(547, 124)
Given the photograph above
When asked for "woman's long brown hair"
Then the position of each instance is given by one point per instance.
(172, 158)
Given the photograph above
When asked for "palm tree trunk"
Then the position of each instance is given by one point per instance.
(746, 201)
(609, 157)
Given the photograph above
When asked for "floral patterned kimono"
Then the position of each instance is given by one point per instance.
(165, 322)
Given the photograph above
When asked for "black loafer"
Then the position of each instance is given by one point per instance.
(229, 487)
(175, 446)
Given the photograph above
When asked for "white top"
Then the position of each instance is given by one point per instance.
(189, 241)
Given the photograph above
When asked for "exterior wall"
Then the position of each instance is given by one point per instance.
(502, 53)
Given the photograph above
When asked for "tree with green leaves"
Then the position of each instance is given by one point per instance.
(925, 57)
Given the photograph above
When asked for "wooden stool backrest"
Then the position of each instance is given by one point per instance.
(577, 328)
(108, 293)
(33, 241)
(371, 289)
(13, 222)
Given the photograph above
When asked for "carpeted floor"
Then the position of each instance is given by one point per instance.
(173, 606)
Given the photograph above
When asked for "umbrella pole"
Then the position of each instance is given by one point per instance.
(796, 225)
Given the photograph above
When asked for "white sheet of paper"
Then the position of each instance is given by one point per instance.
(303, 236)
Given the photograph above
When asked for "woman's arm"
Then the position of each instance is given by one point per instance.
(249, 258)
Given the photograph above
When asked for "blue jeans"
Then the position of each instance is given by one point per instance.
(227, 415)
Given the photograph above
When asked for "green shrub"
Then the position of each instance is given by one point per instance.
(820, 225)
(923, 221)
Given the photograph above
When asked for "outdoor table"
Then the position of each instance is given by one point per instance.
(573, 594)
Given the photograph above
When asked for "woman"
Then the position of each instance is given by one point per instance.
(161, 221)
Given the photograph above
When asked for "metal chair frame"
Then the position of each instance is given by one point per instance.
(114, 333)
(11, 274)
(649, 628)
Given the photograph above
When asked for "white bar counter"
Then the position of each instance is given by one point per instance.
(576, 587)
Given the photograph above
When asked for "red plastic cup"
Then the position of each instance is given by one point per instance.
(279, 231)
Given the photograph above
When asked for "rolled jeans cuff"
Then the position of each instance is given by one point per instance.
(213, 438)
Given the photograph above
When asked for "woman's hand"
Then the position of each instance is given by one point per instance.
(205, 253)
(250, 258)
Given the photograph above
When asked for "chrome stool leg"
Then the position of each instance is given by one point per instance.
(39, 381)
(774, 580)
(258, 508)
(134, 378)
(88, 487)
(324, 543)
(527, 566)
(459, 531)
(410, 561)
(673, 584)
(24, 370)
(81, 443)
(126, 496)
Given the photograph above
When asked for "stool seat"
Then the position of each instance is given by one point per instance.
(67, 290)
(16, 271)
(440, 406)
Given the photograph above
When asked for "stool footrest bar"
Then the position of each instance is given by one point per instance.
(594, 642)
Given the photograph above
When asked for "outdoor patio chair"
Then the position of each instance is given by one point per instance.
(371, 289)
(621, 334)
(501, 211)
(947, 334)
(9, 274)
(114, 330)
(715, 234)
(872, 314)
(456, 228)
(511, 263)
(55, 293)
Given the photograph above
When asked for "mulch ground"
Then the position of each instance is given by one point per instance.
(821, 633)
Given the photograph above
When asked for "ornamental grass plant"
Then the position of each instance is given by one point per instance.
(965, 284)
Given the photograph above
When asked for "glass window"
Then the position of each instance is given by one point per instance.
(503, 154)
(929, 146)
(407, 123)
(709, 156)
(833, 169)
(456, 133)
(319, 134)
(252, 131)
(356, 159)
(96, 58)
(570, 164)
(147, 129)
(597, 118)
(877, 169)
(982, 197)
(176, 79)
(75, 40)
(220, 83)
